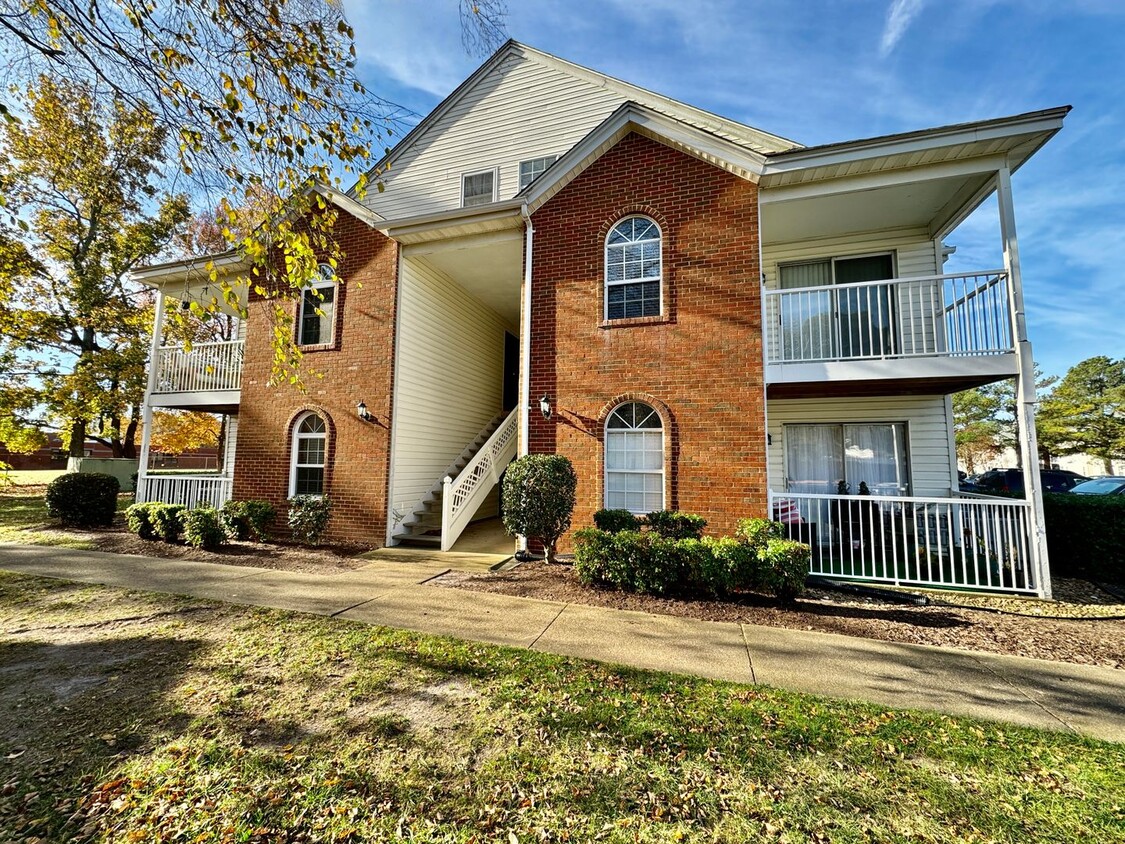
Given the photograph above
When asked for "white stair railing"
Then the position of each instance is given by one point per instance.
(207, 367)
(975, 542)
(461, 496)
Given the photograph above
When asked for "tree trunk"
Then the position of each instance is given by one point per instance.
(129, 441)
(78, 438)
(1108, 464)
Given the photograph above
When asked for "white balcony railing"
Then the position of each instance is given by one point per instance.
(976, 542)
(942, 315)
(188, 490)
(208, 367)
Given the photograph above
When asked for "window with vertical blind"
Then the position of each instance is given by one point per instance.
(634, 459)
(318, 309)
(478, 188)
(852, 322)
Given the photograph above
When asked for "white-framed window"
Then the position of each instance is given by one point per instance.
(318, 309)
(478, 188)
(633, 269)
(634, 459)
(534, 168)
(308, 457)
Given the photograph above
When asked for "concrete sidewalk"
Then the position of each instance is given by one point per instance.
(1052, 695)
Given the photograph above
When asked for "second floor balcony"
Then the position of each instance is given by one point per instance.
(952, 331)
(209, 375)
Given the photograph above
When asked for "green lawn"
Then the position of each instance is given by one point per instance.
(33, 477)
(136, 717)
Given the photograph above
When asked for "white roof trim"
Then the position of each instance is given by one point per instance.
(183, 270)
(1046, 122)
(346, 203)
(632, 117)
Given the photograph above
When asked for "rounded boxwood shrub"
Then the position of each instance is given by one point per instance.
(245, 520)
(615, 521)
(138, 518)
(308, 517)
(672, 524)
(538, 498)
(757, 532)
(84, 499)
(203, 528)
(167, 520)
(784, 568)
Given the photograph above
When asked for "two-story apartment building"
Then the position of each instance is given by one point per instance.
(700, 315)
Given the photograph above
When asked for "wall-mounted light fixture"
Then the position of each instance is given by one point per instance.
(545, 406)
(362, 413)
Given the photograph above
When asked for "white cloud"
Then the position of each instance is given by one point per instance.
(899, 17)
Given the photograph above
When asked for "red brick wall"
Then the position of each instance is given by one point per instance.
(700, 364)
(358, 366)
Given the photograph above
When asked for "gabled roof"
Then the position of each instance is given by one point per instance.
(633, 117)
(738, 134)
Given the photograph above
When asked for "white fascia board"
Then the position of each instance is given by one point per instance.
(483, 217)
(1045, 122)
(631, 117)
(882, 179)
(182, 271)
(347, 204)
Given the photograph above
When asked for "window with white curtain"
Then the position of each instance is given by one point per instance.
(818, 457)
(634, 459)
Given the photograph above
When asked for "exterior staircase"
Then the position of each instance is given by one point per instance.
(438, 519)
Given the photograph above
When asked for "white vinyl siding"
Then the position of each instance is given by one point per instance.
(449, 378)
(932, 472)
(512, 115)
(230, 445)
(914, 255)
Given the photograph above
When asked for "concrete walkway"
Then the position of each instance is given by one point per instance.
(1053, 695)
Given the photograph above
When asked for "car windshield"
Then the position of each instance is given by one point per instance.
(1100, 486)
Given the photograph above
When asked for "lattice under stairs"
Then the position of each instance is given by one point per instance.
(438, 519)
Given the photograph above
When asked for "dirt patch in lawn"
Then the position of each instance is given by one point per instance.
(1084, 641)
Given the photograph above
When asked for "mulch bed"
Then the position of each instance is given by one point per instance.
(1085, 641)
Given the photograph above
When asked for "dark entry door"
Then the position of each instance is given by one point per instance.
(511, 371)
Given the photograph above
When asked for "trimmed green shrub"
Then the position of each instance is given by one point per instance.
(308, 517)
(167, 520)
(734, 566)
(539, 495)
(83, 498)
(672, 524)
(203, 528)
(244, 520)
(1086, 535)
(138, 518)
(784, 568)
(615, 521)
(757, 532)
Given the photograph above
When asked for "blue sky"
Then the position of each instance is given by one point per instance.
(818, 71)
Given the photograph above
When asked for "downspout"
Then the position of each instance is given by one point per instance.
(525, 342)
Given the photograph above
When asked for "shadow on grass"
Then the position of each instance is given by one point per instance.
(71, 712)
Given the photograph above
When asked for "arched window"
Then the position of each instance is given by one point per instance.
(633, 269)
(318, 309)
(634, 459)
(306, 465)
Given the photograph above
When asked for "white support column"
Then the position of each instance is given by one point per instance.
(525, 345)
(1025, 383)
(146, 410)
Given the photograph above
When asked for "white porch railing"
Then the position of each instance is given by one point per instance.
(978, 542)
(942, 315)
(461, 496)
(207, 367)
(189, 490)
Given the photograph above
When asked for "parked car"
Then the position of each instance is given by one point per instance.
(1111, 485)
(1011, 480)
